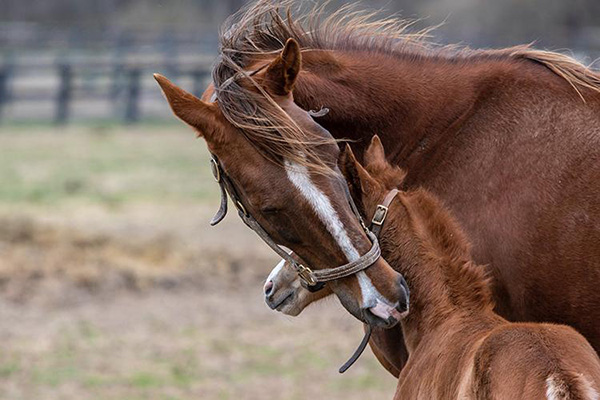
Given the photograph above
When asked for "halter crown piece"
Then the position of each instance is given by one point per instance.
(311, 280)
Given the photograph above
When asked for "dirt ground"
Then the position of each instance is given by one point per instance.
(113, 286)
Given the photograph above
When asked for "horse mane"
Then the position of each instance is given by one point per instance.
(445, 244)
(259, 32)
(571, 70)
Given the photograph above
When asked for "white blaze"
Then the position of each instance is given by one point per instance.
(275, 270)
(320, 203)
(300, 178)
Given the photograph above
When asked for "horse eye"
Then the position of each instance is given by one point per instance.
(269, 210)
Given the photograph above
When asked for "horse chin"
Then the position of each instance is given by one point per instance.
(290, 309)
(296, 303)
(288, 302)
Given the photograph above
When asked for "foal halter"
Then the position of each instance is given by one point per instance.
(312, 280)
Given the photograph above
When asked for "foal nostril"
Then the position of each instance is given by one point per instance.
(268, 288)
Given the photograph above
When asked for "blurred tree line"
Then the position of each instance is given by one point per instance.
(573, 24)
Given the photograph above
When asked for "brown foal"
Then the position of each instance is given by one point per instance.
(458, 346)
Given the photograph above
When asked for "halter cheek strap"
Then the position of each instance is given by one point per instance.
(312, 280)
(381, 212)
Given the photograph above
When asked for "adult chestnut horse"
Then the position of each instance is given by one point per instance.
(508, 139)
(459, 347)
(286, 185)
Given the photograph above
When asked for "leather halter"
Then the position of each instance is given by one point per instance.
(312, 280)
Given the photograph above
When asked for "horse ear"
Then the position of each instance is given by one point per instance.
(198, 114)
(283, 71)
(358, 178)
(375, 155)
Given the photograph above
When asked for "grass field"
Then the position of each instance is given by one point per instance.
(113, 286)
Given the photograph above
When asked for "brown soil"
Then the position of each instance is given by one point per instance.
(148, 302)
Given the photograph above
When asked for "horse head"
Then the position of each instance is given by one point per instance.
(282, 167)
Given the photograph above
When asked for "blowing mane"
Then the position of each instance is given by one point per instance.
(259, 32)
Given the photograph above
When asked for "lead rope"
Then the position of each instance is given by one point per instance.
(358, 352)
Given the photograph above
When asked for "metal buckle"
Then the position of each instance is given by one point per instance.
(379, 216)
(216, 171)
(306, 275)
(241, 207)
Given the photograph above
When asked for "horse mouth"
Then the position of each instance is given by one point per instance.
(283, 302)
(377, 321)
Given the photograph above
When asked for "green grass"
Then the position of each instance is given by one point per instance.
(103, 164)
(8, 368)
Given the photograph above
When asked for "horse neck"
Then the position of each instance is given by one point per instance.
(409, 102)
(425, 244)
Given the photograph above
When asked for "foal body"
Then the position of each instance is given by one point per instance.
(458, 346)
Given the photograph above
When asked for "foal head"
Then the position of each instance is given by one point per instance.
(294, 190)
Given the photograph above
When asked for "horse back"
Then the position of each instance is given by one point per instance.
(532, 361)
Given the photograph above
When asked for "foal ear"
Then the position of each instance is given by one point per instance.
(378, 166)
(198, 114)
(283, 71)
(375, 155)
(358, 178)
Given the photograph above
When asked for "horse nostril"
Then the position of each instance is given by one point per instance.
(405, 296)
(404, 285)
(268, 288)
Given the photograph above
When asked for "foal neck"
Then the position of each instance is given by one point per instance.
(422, 241)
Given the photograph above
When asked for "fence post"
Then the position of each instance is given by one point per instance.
(199, 78)
(4, 73)
(63, 97)
(132, 110)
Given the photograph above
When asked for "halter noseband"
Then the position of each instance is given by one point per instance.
(312, 280)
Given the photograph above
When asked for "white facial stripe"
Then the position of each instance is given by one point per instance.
(298, 175)
(276, 270)
(300, 178)
(369, 292)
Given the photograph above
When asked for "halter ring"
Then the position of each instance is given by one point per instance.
(306, 275)
(216, 171)
(241, 207)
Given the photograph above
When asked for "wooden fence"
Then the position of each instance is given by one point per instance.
(97, 87)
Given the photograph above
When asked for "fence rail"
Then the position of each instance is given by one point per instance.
(97, 87)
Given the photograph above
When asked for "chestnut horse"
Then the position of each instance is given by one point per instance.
(287, 187)
(459, 348)
(508, 139)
